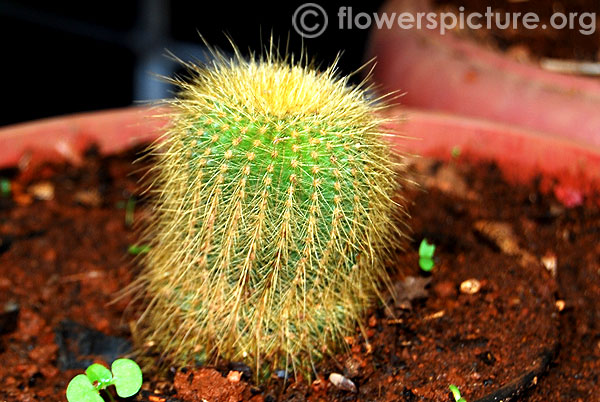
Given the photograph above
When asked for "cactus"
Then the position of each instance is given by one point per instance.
(272, 216)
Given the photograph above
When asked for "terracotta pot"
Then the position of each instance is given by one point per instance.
(569, 169)
(66, 137)
(444, 73)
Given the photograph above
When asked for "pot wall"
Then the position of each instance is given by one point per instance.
(444, 73)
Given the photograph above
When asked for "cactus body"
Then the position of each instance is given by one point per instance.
(273, 213)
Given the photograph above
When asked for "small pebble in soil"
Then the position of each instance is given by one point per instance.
(234, 376)
(549, 262)
(560, 305)
(341, 382)
(470, 286)
(43, 190)
(246, 372)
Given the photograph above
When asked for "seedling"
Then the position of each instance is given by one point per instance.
(136, 249)
(4, 187)
(126, 376)
(426, 251)
(455, 152)
(456, 393)
(129, 211)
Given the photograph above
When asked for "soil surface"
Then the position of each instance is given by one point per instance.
(511, 306)
(580, 43)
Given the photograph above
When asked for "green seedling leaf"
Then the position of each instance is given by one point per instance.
(426, 249)
(127, 377)
(4, 187)
(426, 264)
(456, 393)
(99, 375)
(129, 211)
(141, 249)
(455, 152)
(81, 389)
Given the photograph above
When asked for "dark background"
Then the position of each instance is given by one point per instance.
(60, 57)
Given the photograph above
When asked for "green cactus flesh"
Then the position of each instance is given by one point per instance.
(272, 216)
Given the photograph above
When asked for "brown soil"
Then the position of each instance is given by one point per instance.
(531, 44)
(64, 235)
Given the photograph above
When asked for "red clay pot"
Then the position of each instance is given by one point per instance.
(444, 73)
(569, 169)
(66, 137)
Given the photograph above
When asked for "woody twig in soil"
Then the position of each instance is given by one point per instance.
(526, 380)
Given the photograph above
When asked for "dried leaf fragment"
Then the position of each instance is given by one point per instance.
(409, 289)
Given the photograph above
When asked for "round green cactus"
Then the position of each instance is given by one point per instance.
(272, 215)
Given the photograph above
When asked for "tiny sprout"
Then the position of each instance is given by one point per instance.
(135, 249)
(4, 187)
(126, 376)
(455, 152)
(456, 393)
(426, 251)
(129, 211)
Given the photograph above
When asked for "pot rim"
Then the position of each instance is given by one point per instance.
(522, 154)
